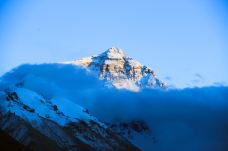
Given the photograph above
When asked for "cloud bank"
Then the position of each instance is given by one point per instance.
(194, 119)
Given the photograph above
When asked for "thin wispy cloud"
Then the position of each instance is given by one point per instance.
(198, 78)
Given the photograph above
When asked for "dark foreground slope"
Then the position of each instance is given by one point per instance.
(7, 143)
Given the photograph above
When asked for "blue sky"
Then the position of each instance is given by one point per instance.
(184, 41)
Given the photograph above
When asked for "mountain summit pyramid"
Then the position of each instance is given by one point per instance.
(119, 70)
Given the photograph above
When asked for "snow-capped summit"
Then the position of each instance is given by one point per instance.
(120, 70)
(114, 53)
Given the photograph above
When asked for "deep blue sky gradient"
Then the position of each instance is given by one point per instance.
(184, 41)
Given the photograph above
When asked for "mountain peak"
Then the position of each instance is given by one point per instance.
(114, 53)
(119, 70)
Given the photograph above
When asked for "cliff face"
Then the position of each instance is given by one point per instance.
(120, 70)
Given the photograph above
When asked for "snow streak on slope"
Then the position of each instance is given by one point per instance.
(120, 70)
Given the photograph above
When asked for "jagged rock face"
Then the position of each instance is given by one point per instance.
(120, 70)
(100, 138)
(25, 134)
(127, 128)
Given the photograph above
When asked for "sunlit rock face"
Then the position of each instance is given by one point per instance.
(120, 70)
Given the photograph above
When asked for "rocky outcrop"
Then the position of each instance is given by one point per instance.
(129, 128)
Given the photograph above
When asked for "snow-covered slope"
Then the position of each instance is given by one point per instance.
(24, 102)
(55, 124)
(120, 70)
